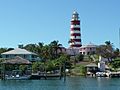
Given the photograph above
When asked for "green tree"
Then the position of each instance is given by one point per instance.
(50, 65)
(2, 50)
(71, 41)
(79, 57)
(106, 50)
(35, 67)
(31, 47)
(108, 43)
(116, 53)
(46, 53)
(39, 48)
(23, 68)
(115, 64)
(64, 59)
(55, 47)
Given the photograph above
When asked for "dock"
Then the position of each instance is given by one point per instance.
(113, 74)
(45, 76)
(104, 74)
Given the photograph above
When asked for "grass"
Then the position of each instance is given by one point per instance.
(78, 70)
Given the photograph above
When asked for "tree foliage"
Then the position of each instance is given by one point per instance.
(106, 50)
(79, 57)
(115, 64)
(45, 52)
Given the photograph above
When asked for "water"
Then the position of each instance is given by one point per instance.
(71, 83)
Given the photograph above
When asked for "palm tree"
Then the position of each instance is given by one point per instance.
(116, 53)
(40, 49)
(55, 46)
(40, 44)
(31, 47)
(45, 53)
(107, 42)
(73, 50)
(71, 41)
(106, 50)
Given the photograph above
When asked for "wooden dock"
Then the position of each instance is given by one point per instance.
(45, 76)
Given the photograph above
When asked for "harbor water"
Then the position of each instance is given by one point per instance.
(71, 83)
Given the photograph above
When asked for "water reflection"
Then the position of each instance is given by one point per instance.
(72, 83)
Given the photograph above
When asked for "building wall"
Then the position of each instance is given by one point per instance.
(72, 51)
(88, 50)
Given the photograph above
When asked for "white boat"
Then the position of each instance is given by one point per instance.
(100, 74)
(17, 77)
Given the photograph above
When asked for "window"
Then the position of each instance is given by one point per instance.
(7, 56)
(84, 53)
(90, 48)
(25, 56)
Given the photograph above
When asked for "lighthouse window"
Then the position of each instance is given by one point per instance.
(75, 36)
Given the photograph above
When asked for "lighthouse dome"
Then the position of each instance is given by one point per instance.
(75, 13)
(75, 16)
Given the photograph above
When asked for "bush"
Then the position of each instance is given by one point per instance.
(79, 57)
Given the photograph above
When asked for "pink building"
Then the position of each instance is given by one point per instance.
(88, 49)
(85, 50)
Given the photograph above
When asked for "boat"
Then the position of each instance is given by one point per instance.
(18, 77)
(100, 74)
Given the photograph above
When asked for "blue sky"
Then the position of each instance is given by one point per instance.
(33, 21)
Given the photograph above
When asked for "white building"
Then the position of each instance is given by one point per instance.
(101, 66)
(20, 52)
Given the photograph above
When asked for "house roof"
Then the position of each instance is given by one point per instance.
(89, 45)
(17, 60)
(18, 51)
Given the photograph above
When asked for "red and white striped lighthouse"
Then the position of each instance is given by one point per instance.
(75, 35)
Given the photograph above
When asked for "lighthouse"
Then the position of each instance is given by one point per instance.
(75, 35)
